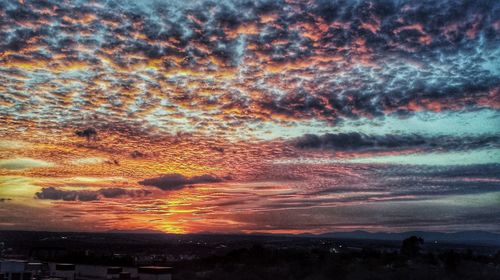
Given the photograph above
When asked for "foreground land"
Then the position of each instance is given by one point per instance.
(261, 257)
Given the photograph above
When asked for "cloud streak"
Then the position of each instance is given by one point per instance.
(23, 163)
(358, 142)
(51, 193)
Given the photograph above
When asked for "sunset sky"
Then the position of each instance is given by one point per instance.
(250, 116)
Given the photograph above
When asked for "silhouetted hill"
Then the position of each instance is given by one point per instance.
(137, 231)
(462, 237)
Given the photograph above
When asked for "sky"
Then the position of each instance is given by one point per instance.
(250, 116)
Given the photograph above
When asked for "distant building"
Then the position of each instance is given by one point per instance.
(23, 270)
(155, 273)
(65, 271)
(91, 272)
(14, 270)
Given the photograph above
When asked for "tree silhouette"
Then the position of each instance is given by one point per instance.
(411, 246)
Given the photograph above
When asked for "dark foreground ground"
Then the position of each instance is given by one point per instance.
(260, 257)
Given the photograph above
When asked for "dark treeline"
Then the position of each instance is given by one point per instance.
(261, 262)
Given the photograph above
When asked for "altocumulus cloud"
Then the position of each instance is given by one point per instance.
(327, 59)
(176, 181)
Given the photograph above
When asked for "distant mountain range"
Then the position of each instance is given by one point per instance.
(475, 237)
(136, 231)
(462, 237)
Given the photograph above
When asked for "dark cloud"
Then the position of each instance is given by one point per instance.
(137, 154)
(88, 133)
(87, 195)
(178, 181)
(358, 141)
(51, 193)
(119, 192)
(113, 192)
